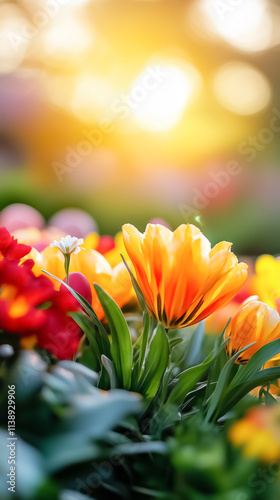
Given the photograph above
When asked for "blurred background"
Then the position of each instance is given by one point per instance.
(135, 109)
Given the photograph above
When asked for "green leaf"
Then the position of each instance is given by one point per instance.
(266, 395)
(248, 377)
(156, 363)
(218, 364)
(121, 347)
(147, 324)
(90, 330)
(139, 448)
(174, 342)
(87, 357)
(88, 419)
(108, 365)
(136, 287)
(189, 378)
(79, 370)
(256, 362)
(223, 383)
(195, 345)
(88, 309)
(234, 395)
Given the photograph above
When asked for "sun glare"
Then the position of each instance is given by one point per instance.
(173, 85)
(247, 25)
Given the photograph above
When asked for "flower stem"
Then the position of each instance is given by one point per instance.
(67, 265)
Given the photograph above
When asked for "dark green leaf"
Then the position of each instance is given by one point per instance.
(156, 363)
(222, 383)
(121, 348)
(108, 365)
(256, 362)
(234, 395)
(189, 378)
(90, 330)
(147, 323)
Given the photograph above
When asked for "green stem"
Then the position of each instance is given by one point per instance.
(67, 258)
(149, 324)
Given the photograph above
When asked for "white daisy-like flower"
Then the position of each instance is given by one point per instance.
(69, 245)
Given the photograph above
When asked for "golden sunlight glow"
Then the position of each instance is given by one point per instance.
(247, 25)
(93, 97)
(161, 92)
(60, 89)
(13, 39)
(67, 39)
(70, 3)
(241, 88)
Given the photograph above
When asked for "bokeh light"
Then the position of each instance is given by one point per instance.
(66, 39)
(241, 88)
(93, 94)
(137, 103)
(246, 25)
(13, 44)
(160, 105)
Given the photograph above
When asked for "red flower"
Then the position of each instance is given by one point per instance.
(20, 295)
(105, 244)
(30, 306)
(10, 248)
(61, 335)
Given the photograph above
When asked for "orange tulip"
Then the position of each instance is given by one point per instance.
(181, 278)
(254, 322)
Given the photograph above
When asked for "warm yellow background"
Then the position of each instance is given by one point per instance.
(69, 66)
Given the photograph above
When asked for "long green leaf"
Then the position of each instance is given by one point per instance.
(195, 346)
(234, 395)
(90, 330)
(156, 363)
(89, 310)
(222, 383)
(256, 362)
(147, 322)
(217, 366)
(189, 378)
(121, 347)
(108, 365)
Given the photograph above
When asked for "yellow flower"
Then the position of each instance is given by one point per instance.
(111, 248)
(258, 433)
(266, 282)
(254, 322)
(114, 255)
(115, 281)
(182, 279)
